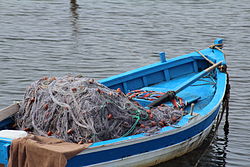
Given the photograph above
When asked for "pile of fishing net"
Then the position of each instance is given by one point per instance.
(78, 109)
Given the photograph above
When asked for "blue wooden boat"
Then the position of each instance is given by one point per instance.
(199, 78)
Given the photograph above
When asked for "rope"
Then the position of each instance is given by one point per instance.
(138, 117)
(218, 47)
(132, 127)
(205, 57)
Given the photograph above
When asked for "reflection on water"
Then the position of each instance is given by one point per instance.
(73, 7)
(218, 143)
(102, 38)
(74, 21)
(204, 155)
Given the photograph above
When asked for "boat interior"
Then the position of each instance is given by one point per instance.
(166, 76)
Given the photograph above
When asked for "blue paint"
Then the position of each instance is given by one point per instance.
(163, 57)
(155, 78)
(4, 150)
(5, 123)
(181, 70)
(147, 71)
(134, 84)
(218, 41)
(191, 80)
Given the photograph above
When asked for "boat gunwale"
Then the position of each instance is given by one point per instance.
(190, 57)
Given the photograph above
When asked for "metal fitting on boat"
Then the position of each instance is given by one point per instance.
(223, 68)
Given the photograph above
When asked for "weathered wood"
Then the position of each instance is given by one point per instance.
(8, 111)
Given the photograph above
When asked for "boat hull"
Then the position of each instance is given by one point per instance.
(161, 155)
(163, 148)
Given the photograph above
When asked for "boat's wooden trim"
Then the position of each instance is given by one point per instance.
(8, 111)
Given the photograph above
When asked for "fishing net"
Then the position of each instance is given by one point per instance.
(78, 109)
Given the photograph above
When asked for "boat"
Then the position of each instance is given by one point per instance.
(199, 78)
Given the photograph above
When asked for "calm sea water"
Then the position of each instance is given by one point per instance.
(106, 37)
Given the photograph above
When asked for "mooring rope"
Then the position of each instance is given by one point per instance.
(218, 47)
